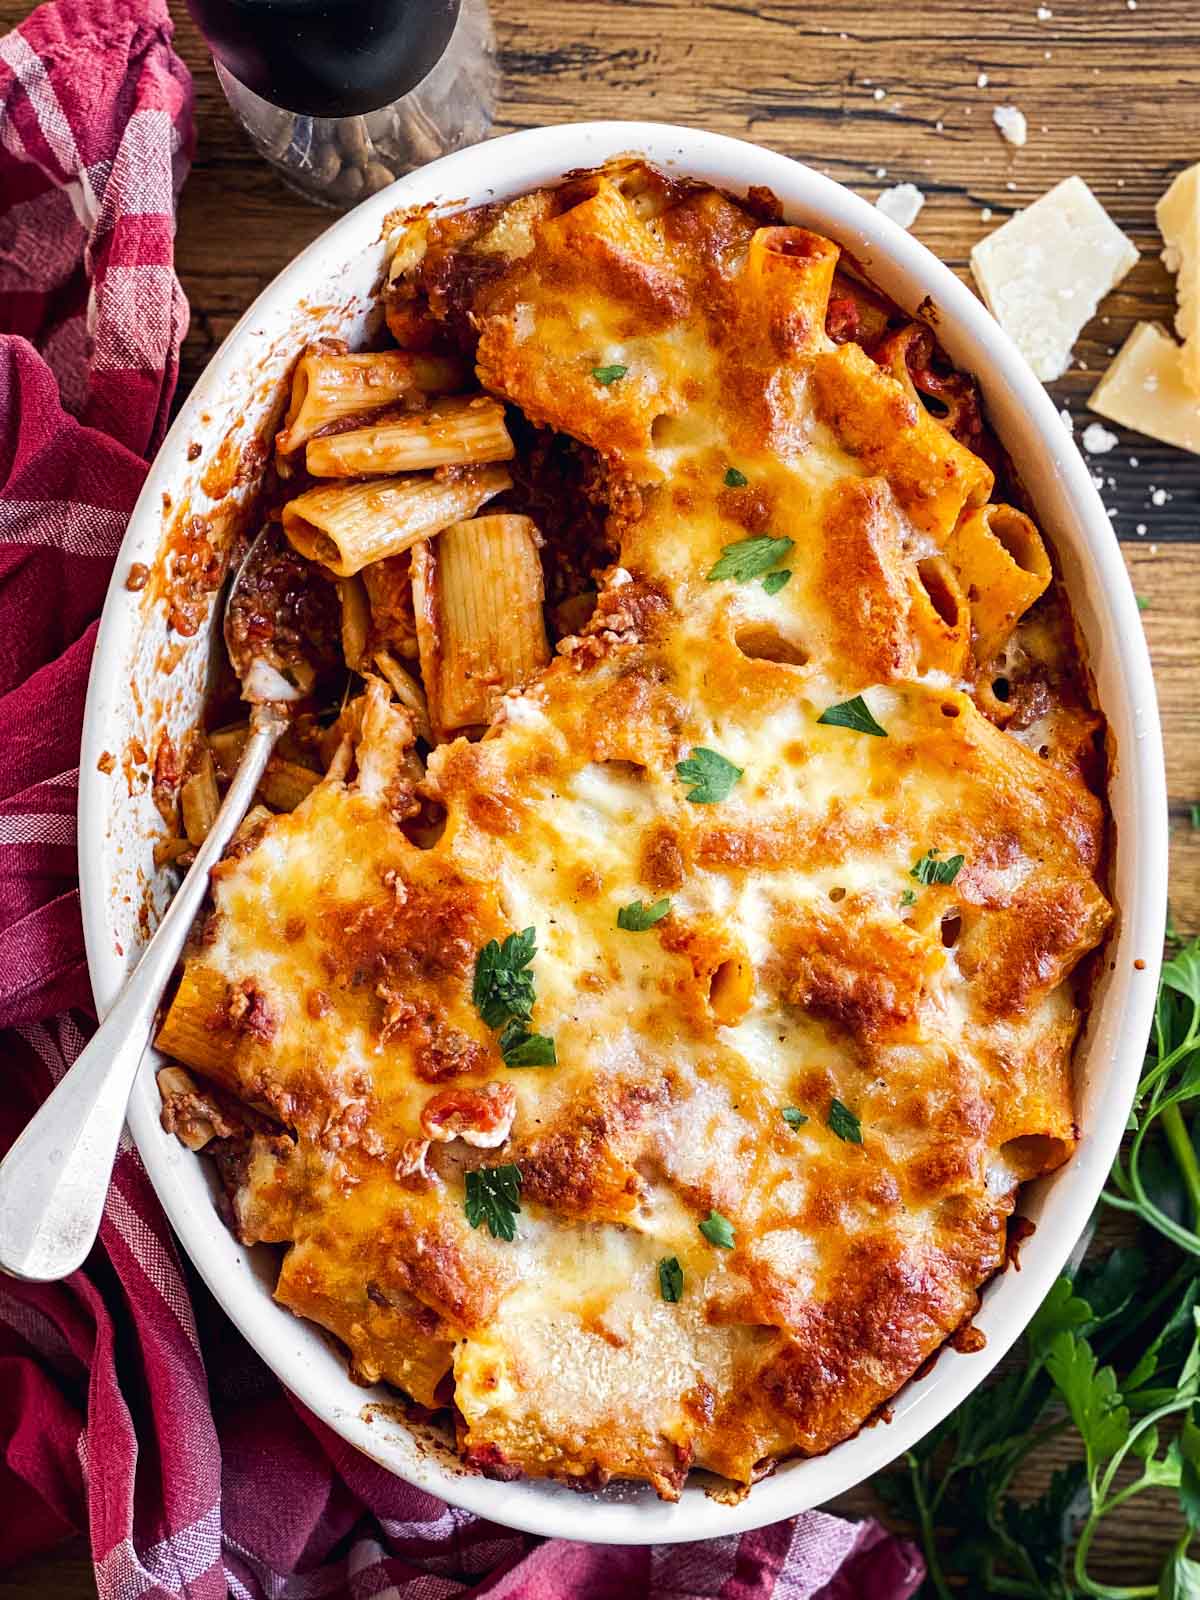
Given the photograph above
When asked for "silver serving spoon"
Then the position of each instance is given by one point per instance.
(54, 1180)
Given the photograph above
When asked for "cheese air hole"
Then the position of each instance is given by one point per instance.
(1001, 689)
(731, 990)
(944, 595)
(951, 927)
(1033, 1154)
(1019, 537)
(759, 641)
(668, 432)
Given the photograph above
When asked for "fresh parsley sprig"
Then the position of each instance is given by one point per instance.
(711, 775)
(750, 558)
(670, 1279)
(1117, 1348)
(520, 1048)
(494, 1197)
(1170, 1081)
(636, 917)
(842, 1121)
(718, 1230)
(853, 714)
(503, 986)
(504, 997)
(930, 870)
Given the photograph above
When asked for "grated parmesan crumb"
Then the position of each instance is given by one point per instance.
(901, 203)
(1068, 420)
(1011, 122)
(1141, 529)
(981, 82)
(1159, 497)
(878, 94)
(1098, 440)
(1043, 13)
(986, 213)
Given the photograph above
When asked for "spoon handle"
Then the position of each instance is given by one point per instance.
(54, 1180)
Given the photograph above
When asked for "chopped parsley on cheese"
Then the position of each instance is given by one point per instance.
(625, 1013)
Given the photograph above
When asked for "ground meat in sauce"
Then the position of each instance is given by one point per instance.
(197, 571)
(284, 609)
(563, 486)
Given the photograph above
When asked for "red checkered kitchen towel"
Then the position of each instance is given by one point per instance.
(128, 1405)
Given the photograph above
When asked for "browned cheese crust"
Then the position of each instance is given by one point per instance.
(801, 964)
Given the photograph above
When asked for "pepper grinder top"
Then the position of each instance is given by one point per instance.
(342, 96)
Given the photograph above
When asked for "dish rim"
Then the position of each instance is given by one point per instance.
(501, 168)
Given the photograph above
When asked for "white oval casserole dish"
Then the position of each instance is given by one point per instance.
(132, 697)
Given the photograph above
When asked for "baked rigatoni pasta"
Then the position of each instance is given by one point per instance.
(348, 526)
(457, 432)
(635, 1034)
(330, 385)
(477, 597)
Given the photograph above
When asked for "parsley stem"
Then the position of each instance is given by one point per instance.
(1136, 1315)
(928, 1537)
(1135, 1433)
(1185, 1157)
(1104, 1591)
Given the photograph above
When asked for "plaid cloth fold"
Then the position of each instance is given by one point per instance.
(128, 1405)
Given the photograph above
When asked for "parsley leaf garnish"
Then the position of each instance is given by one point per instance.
(793, 1116)
(503, 996)
(607, 375)
(503, 985)
(930, 870)
(718, 1230)
(670, 1279)
(1091, 1396)
(520, 1048)
(750, 558)
(1143, 602)
(909, 897)
(735, 479)
(494, 1197)
(774, 581)
(712, 775)
(844, 1123)
(636, 917)
(854, 714)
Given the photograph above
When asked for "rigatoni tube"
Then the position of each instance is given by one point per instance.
(477, 593)
(346, 526)
(457, 432)
(326, 387)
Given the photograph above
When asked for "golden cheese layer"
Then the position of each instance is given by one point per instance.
(801, 963)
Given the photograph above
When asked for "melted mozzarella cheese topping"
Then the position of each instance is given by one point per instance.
(801, 963)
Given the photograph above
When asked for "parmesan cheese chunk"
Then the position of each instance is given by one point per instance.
(902, 203)
(1043, 272)
(1144, 388)
(1010, 120)
(1178, 217)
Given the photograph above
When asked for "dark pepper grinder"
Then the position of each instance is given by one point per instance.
(342, 96)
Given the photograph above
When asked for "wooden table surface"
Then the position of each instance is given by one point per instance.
(1111, 90)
